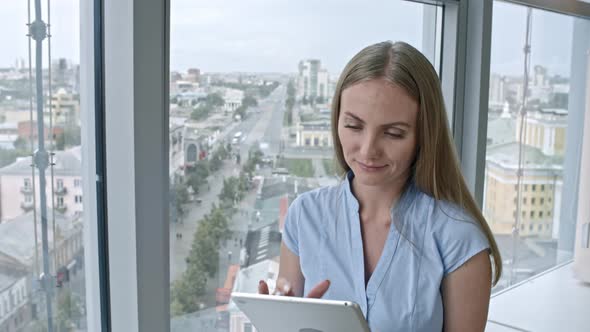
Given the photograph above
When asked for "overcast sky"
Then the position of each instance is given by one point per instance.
(273, 35)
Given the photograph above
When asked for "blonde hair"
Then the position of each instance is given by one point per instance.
(436, 170)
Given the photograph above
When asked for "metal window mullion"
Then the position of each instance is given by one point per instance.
(468, 84)
(37, 31)
(31, 141)
(51, 153)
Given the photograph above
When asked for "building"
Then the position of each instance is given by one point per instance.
(497, 91)
(65, 108)
(233, 99)
(8, 134)
(18, 251)
(18, 191)
(176, 127)
(314, 134)
(15, 310)
(247, 282)
(28, 130)
(312, 82)
(545, 130)
(542, 150)
(21, 260)
(193, 75)
(541, 190)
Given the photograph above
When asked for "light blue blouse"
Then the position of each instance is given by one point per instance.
(428, 239)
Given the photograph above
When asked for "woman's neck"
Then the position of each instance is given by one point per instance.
(375, 202)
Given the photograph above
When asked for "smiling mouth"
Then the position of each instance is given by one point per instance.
(371, 167)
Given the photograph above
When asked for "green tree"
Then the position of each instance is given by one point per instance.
(200, 112)
(229, 192)
(214, 99)
(241, 111)
(181, 194)
(249, 101)
(188, 290)
(215, 163)
(8, 157)
(20, 143)
(68, 311)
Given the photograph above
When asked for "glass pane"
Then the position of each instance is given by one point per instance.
(42, 282)
(249, 131)
(533, 138)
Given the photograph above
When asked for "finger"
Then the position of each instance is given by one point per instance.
(319, 290)
(262, 287)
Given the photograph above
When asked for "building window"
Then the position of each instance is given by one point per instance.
(533, 201)
(542, 187)
(28, 198)
(77, 183)
(60, 201)
(548, 213)
(524, 200)
(60, 184)
(78, 198)
(540, 214)
(532, 214)
(534, 187)
(542, 200)
(526, 187)
(540, 227)
(530, 227)
(27, 183)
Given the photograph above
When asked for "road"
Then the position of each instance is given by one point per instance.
(263, 124)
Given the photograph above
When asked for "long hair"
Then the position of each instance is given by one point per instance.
(436, 169)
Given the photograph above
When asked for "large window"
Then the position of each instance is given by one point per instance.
(250, 88)
(534, 137)
(42, 276)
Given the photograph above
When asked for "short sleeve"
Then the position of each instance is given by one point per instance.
(291, 230)
(460, 240)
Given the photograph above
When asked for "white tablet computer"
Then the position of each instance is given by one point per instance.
(271, 313)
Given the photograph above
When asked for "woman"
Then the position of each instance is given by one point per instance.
(401, 235)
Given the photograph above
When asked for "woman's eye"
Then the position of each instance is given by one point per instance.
(394, 135)
(352, 127)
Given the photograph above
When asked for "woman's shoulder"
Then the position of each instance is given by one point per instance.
(445, 219)
(455, 235)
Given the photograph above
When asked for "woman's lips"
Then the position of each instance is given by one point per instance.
(371, 168)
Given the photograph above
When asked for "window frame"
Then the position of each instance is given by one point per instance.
(92, 122)
(136, 70)
(137, 37)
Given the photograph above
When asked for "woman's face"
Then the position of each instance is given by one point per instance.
(377, 130)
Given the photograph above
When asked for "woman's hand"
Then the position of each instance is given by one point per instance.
(284, 288)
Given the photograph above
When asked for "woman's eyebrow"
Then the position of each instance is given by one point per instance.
(387, 125)
(354, 116)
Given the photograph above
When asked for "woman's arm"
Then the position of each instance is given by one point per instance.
(291, 281)
(290, 271)
(466, 295)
